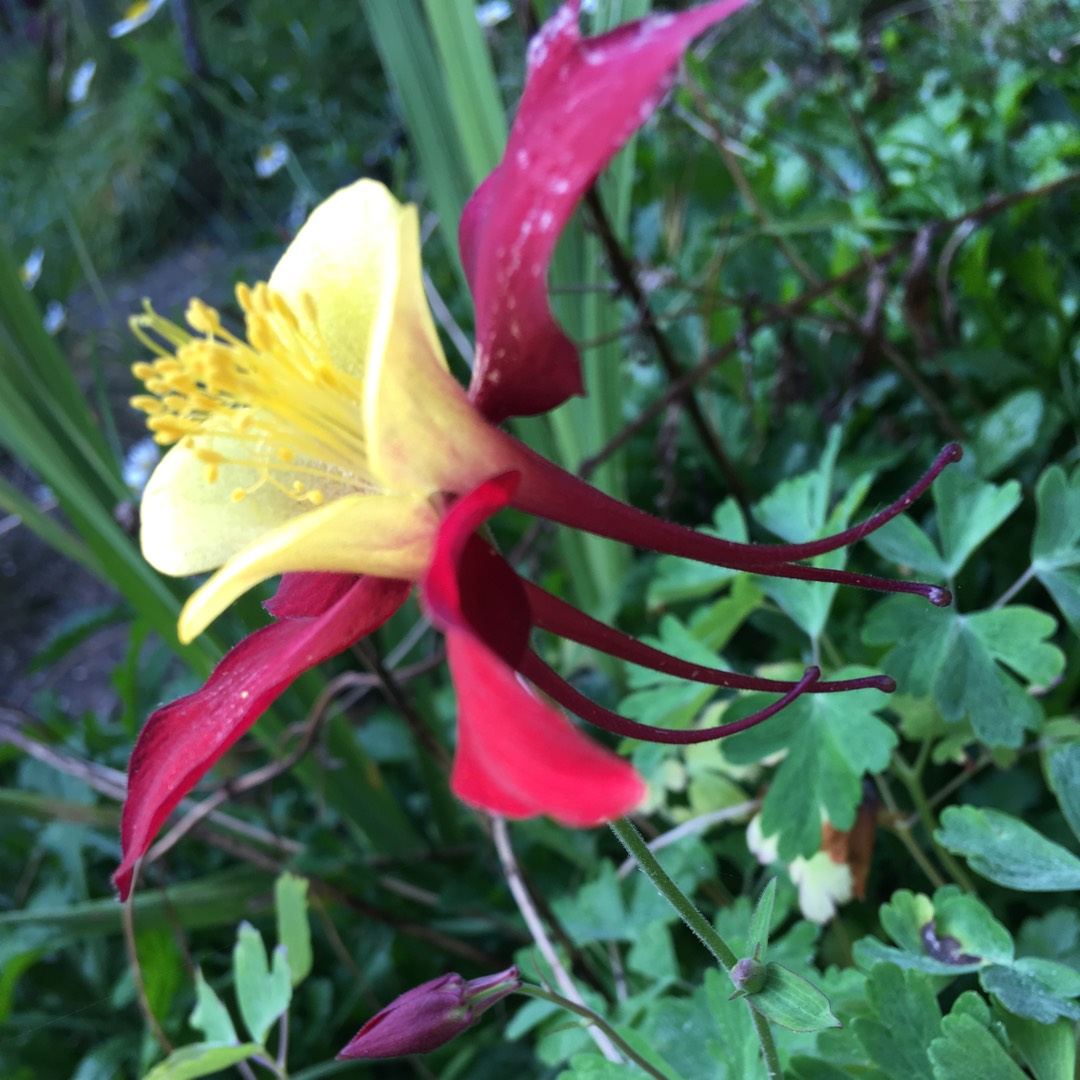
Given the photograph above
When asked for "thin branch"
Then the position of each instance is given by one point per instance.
(783, 312)
(501, 835)
(388, 683)
(689, 828)
(127, 918)
(631, 288)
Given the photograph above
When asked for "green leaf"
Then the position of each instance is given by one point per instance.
(201, 1059)
(967, 1051)
(905, 1019)
(209, 1015)
(902, 542)
(807, 1068)
(798, 510)
(1036, 989)
(262, 992)
(760, 922)
(653, 954)
(792, 1002)
(1007, 851)
(960, 660)
(1055, 547)
(293, 930)
(732, 1044)
(665, 700)
(832, 740)
(683, 579)
(1007, 431)
(1049, 1050)
(969, 510)
(1065, 777)
(596, 912)
(950, 935)
(665, 1027)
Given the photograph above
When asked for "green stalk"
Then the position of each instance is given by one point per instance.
(596, 1020)
(702, 929)
(910, 779)
(706, 933)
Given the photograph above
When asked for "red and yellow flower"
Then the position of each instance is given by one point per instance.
(330, 444)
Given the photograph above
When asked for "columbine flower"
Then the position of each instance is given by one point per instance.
(30, 271)
(430, 1015)
(270, 159)
(330, 444)
(138, 14)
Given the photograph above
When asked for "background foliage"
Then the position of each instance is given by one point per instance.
(854, 226)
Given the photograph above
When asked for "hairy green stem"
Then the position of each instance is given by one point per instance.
(640, 852)
(769, 1052)
(596, 1020)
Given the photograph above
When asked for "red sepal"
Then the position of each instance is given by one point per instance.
(302, 595)
(583, 100)
(182, 741)
(517, 754)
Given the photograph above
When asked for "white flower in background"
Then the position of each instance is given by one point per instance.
(270, 158)
(30, 270)
(766, 849)
(823, 885)
(55, 317)
(138, 14)
(823, 882)
(493, 13)
(79, 86)
(280, 83)
(139, 463)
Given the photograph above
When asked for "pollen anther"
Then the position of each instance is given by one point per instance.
(274, 403)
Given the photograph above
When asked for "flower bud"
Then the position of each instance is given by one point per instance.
(748, 975)
(429, 1015)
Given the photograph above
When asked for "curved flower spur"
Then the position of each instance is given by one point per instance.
(330, 444)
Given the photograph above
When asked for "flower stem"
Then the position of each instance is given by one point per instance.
(769, 1052)
(596, 1020)
(910, 779)
(640, 852)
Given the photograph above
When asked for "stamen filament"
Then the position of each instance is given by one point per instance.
(277, 393)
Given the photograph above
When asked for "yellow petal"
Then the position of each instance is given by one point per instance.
(345, 259)
(190, 525)
(386, 535)
(422, 432)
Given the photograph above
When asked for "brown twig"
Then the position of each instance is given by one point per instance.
(632, 290)
(127, 918)
(387, 681)
(858, 125)
(994, 205)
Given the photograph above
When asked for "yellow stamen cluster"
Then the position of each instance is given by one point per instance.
(274, 403)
